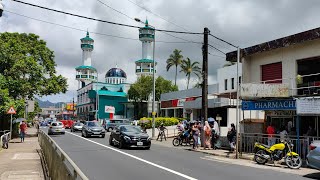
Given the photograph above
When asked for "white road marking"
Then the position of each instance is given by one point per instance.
(137, 158)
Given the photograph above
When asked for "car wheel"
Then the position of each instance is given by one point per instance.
(121, 145)
(63, 133)
(148, 148)
(71, 130)
(82, 134)
(110, 141)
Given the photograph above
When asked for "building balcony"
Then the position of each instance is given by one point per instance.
(86, 76)
(144, 70)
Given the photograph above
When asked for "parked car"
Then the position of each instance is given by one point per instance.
(129, 136)
(313, 158)
(76, 127)
(110, 124)
(56, 127)
(93, 128)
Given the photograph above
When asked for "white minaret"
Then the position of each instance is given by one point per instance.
(86, 73)
(144, 66)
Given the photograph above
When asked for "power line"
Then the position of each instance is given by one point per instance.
(104, 21)
(82, 30)
(115, 9)
(157, 15)
(223, 41)
(131, 18)
(216, 55)
(216, 49)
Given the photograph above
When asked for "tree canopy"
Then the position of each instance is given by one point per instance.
(175, 59)
(142, 88)
(28, 66)
(27, 69)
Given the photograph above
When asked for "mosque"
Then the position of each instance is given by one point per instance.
(109, 99)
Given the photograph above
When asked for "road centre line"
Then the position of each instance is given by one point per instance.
(137, 158)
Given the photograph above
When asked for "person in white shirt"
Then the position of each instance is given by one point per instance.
(283, 134)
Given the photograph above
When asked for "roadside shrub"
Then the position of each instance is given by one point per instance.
(165, 120)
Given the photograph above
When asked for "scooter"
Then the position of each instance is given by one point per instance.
(264, 153)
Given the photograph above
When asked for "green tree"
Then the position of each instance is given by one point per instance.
(141, 90)
(175, 59)
(189, 68)
(28, 66)
(164, 86)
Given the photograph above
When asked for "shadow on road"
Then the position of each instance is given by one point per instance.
(313, 175)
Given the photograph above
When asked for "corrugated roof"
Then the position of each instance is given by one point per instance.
(287, 41)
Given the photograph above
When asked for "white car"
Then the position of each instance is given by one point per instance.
(76, 127)
(56, 127)
(313, 158)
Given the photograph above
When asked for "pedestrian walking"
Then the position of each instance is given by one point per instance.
(207, 135)
(271, 131)
(195, 135)
(23, 129)
(232, 137)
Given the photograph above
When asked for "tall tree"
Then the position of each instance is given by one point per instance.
(189, 68)
(28, 66)
(142, 89)
(175, 59)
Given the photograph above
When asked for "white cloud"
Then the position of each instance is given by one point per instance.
(243, 23)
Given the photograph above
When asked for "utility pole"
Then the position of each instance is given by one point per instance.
(205, 81)
(72, 106)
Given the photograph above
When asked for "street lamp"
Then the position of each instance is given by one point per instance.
(153, 79)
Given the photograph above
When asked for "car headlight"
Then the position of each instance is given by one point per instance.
(149, 138)
(127, 138)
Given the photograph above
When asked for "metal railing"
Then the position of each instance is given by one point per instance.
(294, 87)
(301, 143)
(59, 163)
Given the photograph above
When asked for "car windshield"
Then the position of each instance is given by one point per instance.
(78, 124)
(93, 124)
(131, 129)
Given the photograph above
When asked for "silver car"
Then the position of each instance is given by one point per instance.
(56, 127)
(76, 127)
(313, 158)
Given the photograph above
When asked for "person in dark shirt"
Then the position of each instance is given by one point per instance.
(161, 129)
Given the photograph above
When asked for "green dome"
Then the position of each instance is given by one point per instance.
(87, 38)
(86, 67)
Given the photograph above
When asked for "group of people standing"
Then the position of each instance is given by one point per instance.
(211, 135)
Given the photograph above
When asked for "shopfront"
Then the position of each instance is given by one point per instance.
(280, 113)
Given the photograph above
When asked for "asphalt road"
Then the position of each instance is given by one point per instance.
(98, 161)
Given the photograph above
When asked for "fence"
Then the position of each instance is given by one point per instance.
(59, 163)
(301, 144)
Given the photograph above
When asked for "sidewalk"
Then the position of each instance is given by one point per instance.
(21, 160)
(229, 157)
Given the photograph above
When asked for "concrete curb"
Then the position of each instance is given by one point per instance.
(232, 156)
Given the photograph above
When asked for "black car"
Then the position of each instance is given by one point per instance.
(129, 136)
(93, 128)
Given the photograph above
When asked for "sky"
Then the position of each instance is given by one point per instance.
(242, 22)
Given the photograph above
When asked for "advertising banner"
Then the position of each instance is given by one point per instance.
(308, 106)
(109, 109)
(251, 91)
(269, 105)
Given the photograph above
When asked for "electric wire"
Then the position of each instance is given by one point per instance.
(82, 30)
(131, 18)
(223, 41)
(100, 20)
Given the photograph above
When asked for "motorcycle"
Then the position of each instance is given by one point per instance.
(182, 139)
(264, 153)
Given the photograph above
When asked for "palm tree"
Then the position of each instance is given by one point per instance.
(190, 68)
(175, 59)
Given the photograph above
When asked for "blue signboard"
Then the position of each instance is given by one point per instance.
(269, 105)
